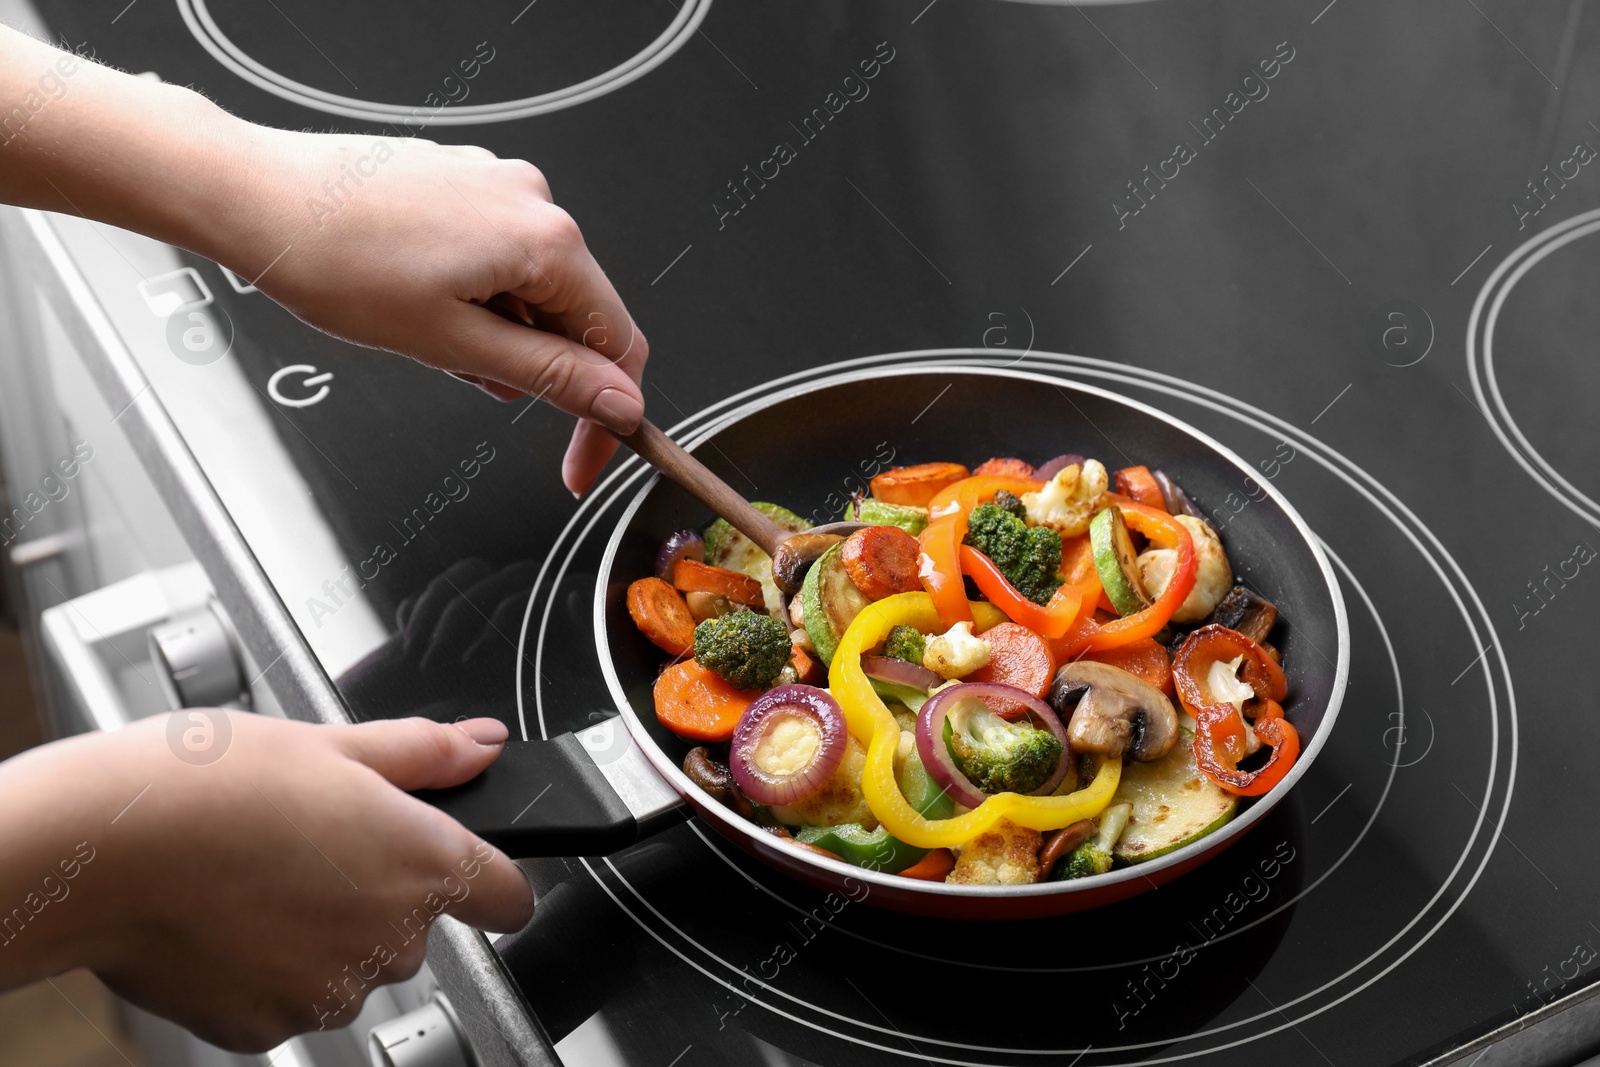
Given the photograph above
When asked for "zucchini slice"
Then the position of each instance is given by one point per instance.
(912, 520)
(1173, 804)
(913, 699)
(1116, 562)
(727, 547)
(829, 602)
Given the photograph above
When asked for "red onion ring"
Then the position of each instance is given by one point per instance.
(900, 672)
(936, 754)
(768, 710)
(1177, 501)
(1055, 466)
(685, 544)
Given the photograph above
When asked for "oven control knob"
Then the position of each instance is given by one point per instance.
(428, 1037)
(194, 660)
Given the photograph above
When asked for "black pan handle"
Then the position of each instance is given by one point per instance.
(580, 794)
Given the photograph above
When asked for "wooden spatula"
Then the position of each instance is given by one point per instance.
(792, 553)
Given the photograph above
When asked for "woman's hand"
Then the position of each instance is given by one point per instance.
(263, 893)
(447, 255)
(396, 243)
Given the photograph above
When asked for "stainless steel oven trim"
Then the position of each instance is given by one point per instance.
(268, 634)
(498, 1020)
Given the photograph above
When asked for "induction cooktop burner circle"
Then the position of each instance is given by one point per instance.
(198, 18)
(1463, 874)
(1486, 312)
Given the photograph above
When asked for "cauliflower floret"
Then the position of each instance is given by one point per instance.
(1212, 577)
(1225, 684)
(797, 627)
(956, 652)
(1069, 500)
(838, 801)
(1006, 855)
(1223, 680)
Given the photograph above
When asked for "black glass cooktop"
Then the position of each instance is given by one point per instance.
(1355, 241)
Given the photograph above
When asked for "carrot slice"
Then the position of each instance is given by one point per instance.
(806, 667)
(809, 847)
(882, 561)
(1007, 466)
(1077, 559)
(933, 867)
(1137, 483)
(1017, 657)
(1146, 659)
(695, 702)
(916, 485)
(692, 576)
(661, 615)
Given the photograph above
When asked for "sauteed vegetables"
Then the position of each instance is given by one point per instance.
(1016, 674)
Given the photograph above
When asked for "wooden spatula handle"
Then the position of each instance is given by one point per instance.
(668, 457)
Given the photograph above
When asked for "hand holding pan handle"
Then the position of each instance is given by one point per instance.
(579, 794)
(593, 791)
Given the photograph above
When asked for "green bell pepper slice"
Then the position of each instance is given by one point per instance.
(878, 849)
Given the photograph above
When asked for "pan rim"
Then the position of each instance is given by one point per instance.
(674, 775)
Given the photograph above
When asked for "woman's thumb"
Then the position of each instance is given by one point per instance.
(423, 754)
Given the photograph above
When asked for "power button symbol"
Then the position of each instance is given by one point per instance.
(311, 380)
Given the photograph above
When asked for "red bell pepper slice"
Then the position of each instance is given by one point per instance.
(968, 493)
(1049, 620)
(940, 564)
(939, 567)
(1219, 740)
(1285, 742)
(1160, 527)
(1074, 643)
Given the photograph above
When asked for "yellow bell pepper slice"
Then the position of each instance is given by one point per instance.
(871, 723)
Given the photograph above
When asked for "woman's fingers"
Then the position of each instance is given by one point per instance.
(484, 888)
(574, 378)
(485, 277)
(562, 279)
(492, 894)
(422, 754)
(494, 389)
(590, 450)
(566, 291)
(481, 884)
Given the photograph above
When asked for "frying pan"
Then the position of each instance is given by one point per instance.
(597, 791)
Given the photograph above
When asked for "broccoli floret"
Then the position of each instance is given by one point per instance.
(1083, 862)
(999, 756)
(1010, 503)
(1029, 556)
(746, 648)
(1094, 855)
(907, 643)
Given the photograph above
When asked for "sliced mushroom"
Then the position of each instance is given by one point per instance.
(711, 774)
(1119, 715)
(1247, 612)
(1061, 844)
(796, 554)
(705, 606)
(1065, 695)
